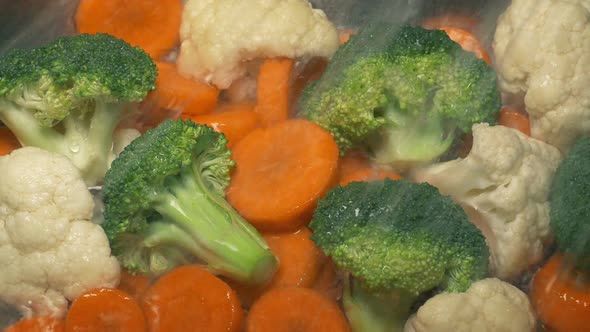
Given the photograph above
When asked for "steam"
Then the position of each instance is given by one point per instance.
(31, 23)
(357, 13)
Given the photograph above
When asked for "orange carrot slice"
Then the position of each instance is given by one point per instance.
(105, 309)
(469, 23)
(300, 258)
(352, 161)
(8, 142)
(182, 95)
(272, 102)
(344, 35)
(369, 174)
(190, 298)
(513, 118)
(152, 25)
(468, 42)
(328, 282)
(38, 324)
(134, 284)
(235, 121)
(301, 261)
(561, 297)
(295, 309)
(281, 172)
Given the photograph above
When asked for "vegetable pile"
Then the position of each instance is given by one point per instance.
(254, 167)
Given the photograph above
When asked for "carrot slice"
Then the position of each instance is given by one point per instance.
(369, 174)
(329, 282)
(295, 309)
(300, 258)
(105, 309)
(561, 296)
(8, 142)
(174, 95)
(272, 95)
(134, 284)
(38, 324)
(513, 118)
(190, 298)
(469, 23)
(152, 25)
(301, 261)
(352, 161)
(468, 42)
(281, 172)
(344, 35)
(235, 121)
(180, 94)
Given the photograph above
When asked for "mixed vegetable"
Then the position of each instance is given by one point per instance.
(254, 167)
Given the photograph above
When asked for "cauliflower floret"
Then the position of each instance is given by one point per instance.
(542, 50)
(489, 305)
(219, 37)
(503, 185)
(49, 250)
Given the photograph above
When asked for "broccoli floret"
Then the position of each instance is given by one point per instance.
(165, 206)
(69, 96)
(569, 202)
(398, 240)
(404, 93)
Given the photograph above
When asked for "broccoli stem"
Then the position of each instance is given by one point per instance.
(408, 140)
(99, 139)
(203, 223)
(167, 246)
(376, 311)
(27, 128)
(87, 138)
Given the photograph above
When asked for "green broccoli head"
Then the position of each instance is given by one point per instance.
(398, 240)
(404, 93)
(165, 206)
(69, 95)
(570, 205)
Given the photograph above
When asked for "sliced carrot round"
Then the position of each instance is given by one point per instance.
(300, 258)
(181, 94)
(8, 142)
(190, 298)
(134, 284)
(152, 25)
(301, 261)
(329, 281)
(468, 42)
(561, 297)
(516, 119)
(272, 92)
(38, 324)
(352, 161)
(369, 174)
(469, 23)
(235, 121)
(105, 309)
(295, 309)
(281, 172)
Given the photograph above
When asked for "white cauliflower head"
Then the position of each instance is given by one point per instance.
(542, 50)
(489, 305)
(49, 250)
(503, 185)
(218, 37)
